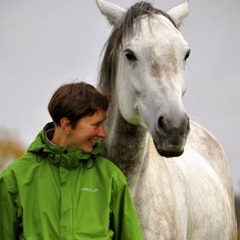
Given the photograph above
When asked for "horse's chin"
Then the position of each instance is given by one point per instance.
(170, 154)
(174, 151)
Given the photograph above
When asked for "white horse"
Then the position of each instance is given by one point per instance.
(180, 181)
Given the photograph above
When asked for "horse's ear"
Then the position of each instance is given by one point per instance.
(114, 13)
(179, 13)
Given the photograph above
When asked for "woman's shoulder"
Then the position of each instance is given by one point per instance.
(19, 166)
(107, 163)
(110, 169)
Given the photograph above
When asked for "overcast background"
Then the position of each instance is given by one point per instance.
(46, 43)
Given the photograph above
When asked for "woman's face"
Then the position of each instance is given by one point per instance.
(88, 131)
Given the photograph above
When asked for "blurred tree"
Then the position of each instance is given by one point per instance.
(10, 147)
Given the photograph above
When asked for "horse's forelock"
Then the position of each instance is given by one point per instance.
(133, 15)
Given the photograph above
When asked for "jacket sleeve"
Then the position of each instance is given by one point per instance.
(8, 211)
(125, 222)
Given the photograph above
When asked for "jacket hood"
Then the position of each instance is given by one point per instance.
(69, 157)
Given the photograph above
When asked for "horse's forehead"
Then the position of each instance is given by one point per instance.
(154, 32)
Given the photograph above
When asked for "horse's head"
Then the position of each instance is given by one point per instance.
(146, 56)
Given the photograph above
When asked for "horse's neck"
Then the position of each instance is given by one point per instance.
(126, 145)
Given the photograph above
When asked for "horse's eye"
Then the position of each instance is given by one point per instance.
(187, 55)
(130, 55)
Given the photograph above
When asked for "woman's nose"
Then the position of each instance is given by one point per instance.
(102, 133)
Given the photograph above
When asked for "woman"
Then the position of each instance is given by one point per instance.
(64, 187)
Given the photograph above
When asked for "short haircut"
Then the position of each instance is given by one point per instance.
(75, 101)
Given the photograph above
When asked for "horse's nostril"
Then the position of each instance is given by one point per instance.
(160, 124)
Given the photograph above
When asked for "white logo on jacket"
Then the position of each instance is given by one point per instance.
(86, 189)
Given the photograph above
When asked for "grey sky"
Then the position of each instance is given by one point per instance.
(46, 43)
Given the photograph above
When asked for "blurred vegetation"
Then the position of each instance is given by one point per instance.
(11, 147)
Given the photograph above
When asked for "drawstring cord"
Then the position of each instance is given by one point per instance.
(89, 163)
(41, 155)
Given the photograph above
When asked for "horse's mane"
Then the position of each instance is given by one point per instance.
(108, 66)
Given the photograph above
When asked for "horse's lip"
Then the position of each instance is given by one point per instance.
(169, 154)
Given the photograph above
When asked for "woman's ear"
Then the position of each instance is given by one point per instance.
(65, 125)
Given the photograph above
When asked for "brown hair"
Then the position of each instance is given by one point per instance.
(74, 101)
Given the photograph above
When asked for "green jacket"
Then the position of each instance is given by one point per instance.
(55, 193)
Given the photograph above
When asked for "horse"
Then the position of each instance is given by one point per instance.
(177, 170)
